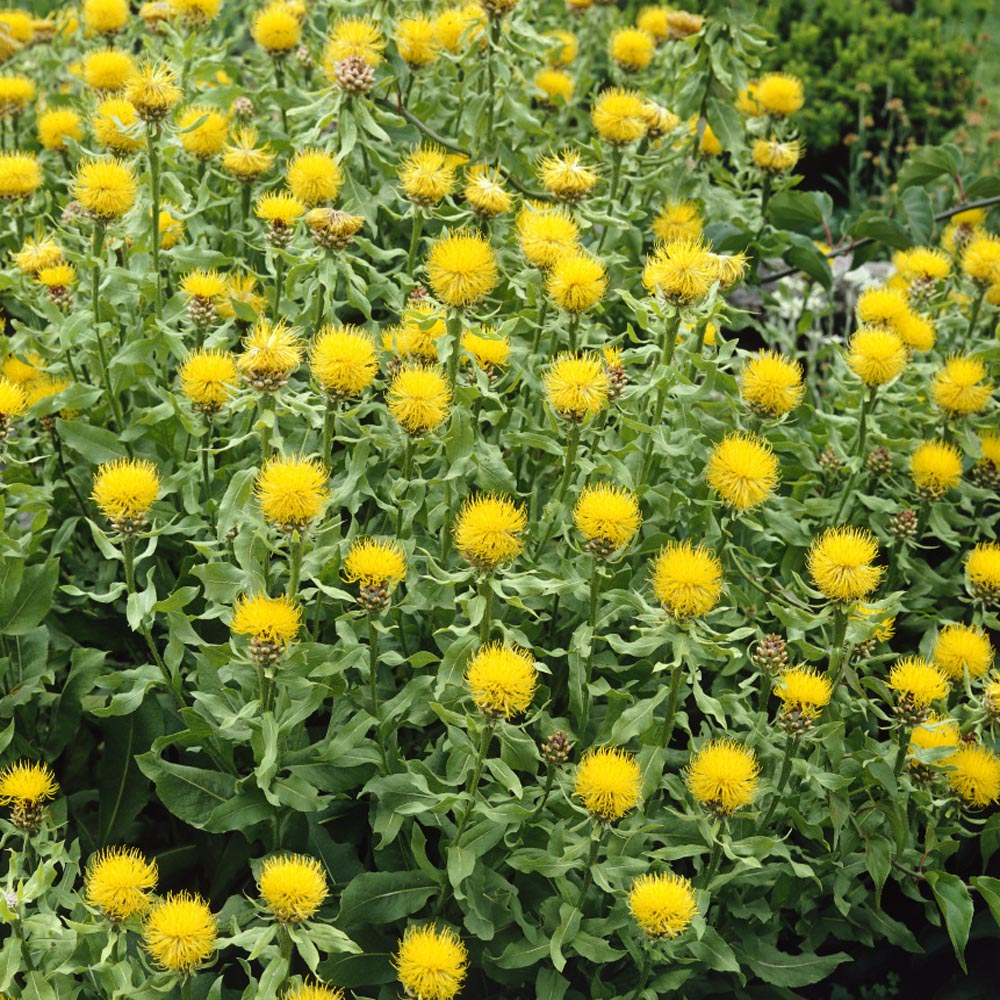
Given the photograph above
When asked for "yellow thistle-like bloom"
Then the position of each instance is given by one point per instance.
(488, 530)
(723, 776)
(273, 620)
(462, 269)
(876, 355)
(374, 562)
(271, 351)
(153, 90)
(882, 306)
(771, 385)
(196, 12)
(292, 491)
(241, 288)
(564, 47)
(678, 222)
(709, 144)
(427, 175)
(980, 259)
(108, 70)
(454, 28)
(419, 399)
(292, 887)
(655, 20)
(314, 177)
(20, 176)
(917, 681)
(682, 272)
(27, 784)
(975, 775)
(554, 85)
(779, 94)
(485, 193)
(577, 281)
(118, 881)
(803, 691)
(566, 177)
(915, 330)
(743, 470)
(936, 733)
(104, 17)
(487, 352)
(545, 234)
(115, 126)
(244, 159)
(961, 648)
(682, 24)
(21, 371)
(608, 782)
(44, 387)
(281, 207)
(417, 335)
(774, 157)
(126, 489)
(58, 125)
(687, 579)
(659, 120)
(13, 400)
(632, 48)
(922, 266)
(60, 275)
(203, 284)
(202, 131)
(333, 229)
(936, 467)
(314, 991)
(990, 446)
(276, 29)
(662, 905)
(963, 386)
(180, 932)
(105, 188)
(416, 41)
(343, 360)
(208, 378)
(353, 36)
(431, 963)
(840, 563)
(982, 571)
(619, 116)
(577, 385)
(607, 516)
(502, 680)
(36, 253)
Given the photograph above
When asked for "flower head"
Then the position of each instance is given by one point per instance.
(13, 401)
(153, 90)
(608, 783)
(487, 351)
(416, 41)
(353, 36)
(803, 692)
(115, 126)
(314, 991)
(202, 131)
(427, 175)
(619, 116)
(105, 188)
(279, 207)
(104, 17)
(775, 157)
(840, 563)
(488, 530)
(771, 385)
(118, 881)
(915, 330)
(271, 352)
(876, 355)
(20, 176)
(933, 734)
(743, 470)
(242, 289)
(180, 932)
(566, 177)
(343, 360)
(632, 48)
(662, 905)
(419, 399)
(687, 579)
(293, 887)
(37, 253)
(27, 784)
(779, 94)
(723, 776)
(502, 679)
(545, 234)
(58, 125)
(961, 648)
(244, 159)
(207, 379)
(333, 229)
(555, 86)
(108, 70)
(485, 193)
(276, 29)
(462, 269)
(975, 775)
(430, 963)
(273, 620)
(682, 272)
(982, 571)
(577, 281)
(125, 490)
(963, 386)
(917, 681)
(375, 563)
(678, 221)
(314, 177)
(922, 267)
(417, 335)
(576, 385)
(981, 259)
(607, 516)
(936, 467)
(458, 27)
(292, 491)
(881, 306)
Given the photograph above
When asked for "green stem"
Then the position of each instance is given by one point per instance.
(486, 625)
(974, 319)
(765, 197)
(266, 403)
(490, 84)
(153, 154)
(373, 682)
(903, 743)
(595, 586)
(713, 861)
(279, 277)
(675, 691)
(644, 970)
(867, 405)
(297, 546)
(574, 325)
(550, 780)
(407, 472)
(540, 323)
(285, 946)
(568, 470)
(329, 421)
(279, 79)
(244, 216)
(473, 786)
(617, 155)
(418, 225)
(206, 473)
(786, 770)
(837, 646)
(666, 356)
(454, 327)
(588, 874)
(97, 250)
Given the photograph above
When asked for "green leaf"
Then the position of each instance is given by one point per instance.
(715, 952)
(33, 600)
(95, 444)
(880, 228)
(927, 164)
(989, 888)
(792, 971)
(878, 860)
(190, 793)
(983, 187)
(800, 211)
(956, 906)
(726, 122)
(383, 897)
(920, 214)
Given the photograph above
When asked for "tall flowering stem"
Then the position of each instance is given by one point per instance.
(296, 547)
(837, 646)
(974, 318)
(418, 225)
(373, 682)
(676, 680)
(453, 324)
(867, 406)
(786, 770)
(666, 356)
(903, 744)
(329, 422)
(486, 590)
(570, 461)
(97, 250)
(493, 43)
(596, 832)
(153, 155)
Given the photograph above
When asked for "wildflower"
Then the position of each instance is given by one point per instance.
(840, 563)
(485, 193)
(244, 159)
(566, 177)
(876, 355)
(608, 782)
(917, 683)
(271, 352)
(881, 306)
(104, 17)
(936, 733)
(343, 361)
(723, 776)
(114, 124)
(431, 964)
(462, 269)
(332, 229)
(487, 352)
(58, 279)
(564, 47)
(619, 116)
(488, 530)
(353, 37)
(378, 566)
(555, 85)
(803, 694)
(105, 188)
(207, 378)
(419, 399)
(774, 157)
(632, 49)
(779, 94)
(678, 221)
(577, 281)
(198, 13)
(108, 70)
(975, 775)
(982, 572)
(576, 386)
(682, 271)
(427, 175)
(202, 289)
(607, 516)
(276, 30)
(271, 622)
(13, 403)
(153, 91)
(314, 177)
(118, 881)
(292, 491)
(314, 991)
(743, 470)
(125, 491)
(20, 176)
(502, 679)
(293, 887)
(915, 330)
(936, 467)
(58, 125)
(980, 260)
(771, 385)
(659, 121)
(962, 387)
(655, 21)
(922, 267)
(708, 144)
(416, 41)
(202, 131)
(682, 23)
(545, 234)
(687, 579)
(37, 253)
(417, 335)
(26, 787)
(961, 648)
(662, 905)
(281, 210)
(240, 288)
(180, 932)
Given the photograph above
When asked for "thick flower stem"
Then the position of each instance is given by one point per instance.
(279, 278)
(490, 83)
(329, 422)
(418, 225)
(454, 327)
(186, 987)
(266, 403)
(666, 356)
(473, 786)
(714, 860)
(974, 319)
(373, 681)
(407, 472)
(765, 197)
(837, 646)
(644, 970)
(540, 323)
(588, 874)
(486, 625)
(595, 586)
(550, 780)
(568, 469)
(867, 405)
(786, 770)
(279, 81)
(153, 154)
(675, 691)
(574, 326)
(903, 744)
(97, 251)
(244, 216)
(296, 546)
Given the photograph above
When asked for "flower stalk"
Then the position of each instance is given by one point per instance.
(786, 770)
(373, 682)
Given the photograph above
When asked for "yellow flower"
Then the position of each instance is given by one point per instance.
(197, 12)
(876, 355)
(655, 21)
(153, 90)
(202, 131)
(936, 467)
(240, 288)
(723, 776)
(104, 17)
(682, 24)
(991, 698)
(771, 385)
(333, 229)
(632, 48)
(961, 648)
(126, 489)
(619, 116)
(679, 221)
(803, 691)
(454, 29)
(607, 515)
(553, 84)
(709, 144)
(743, 470)
(416, 41)
(662, 905)
(272, 620)
(292, 491)
(430, 963)
(982, 570)
(314, 177)
(975, 775)
(916, 331)
(36, 253)
(353, 36)
(313, 991)
(682, 271)
(990, 445)
(293, 887)
(840, 563)
(280, 208)
(563, 49)
(105, 188)
(981, 259)
(577, 281)
(922, 266)
(576, 385)
(462, 269)
(545, 234)
(485, 193)
(502, 679)
(207, 379)
(20, 176)
(60, 275)
(608, 783)
(488, 530)
(881, 306)
(917, 681)
(180, 932)
(271, 352)
(487, 352)
(774, 157)
(16, 31)
(963, 386)
(343, 360)
(936, 733)
(118, 881)
(427, 175)
(27, 784)
(779, 94)
(418, 333)
(419, 399)
(276, 29)
(373, 562)
(244, 159)
(566, 177)
(203, 284)
(108, 70)
(44, 387)
(58, 125)
(687, 580)
(114, 124)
